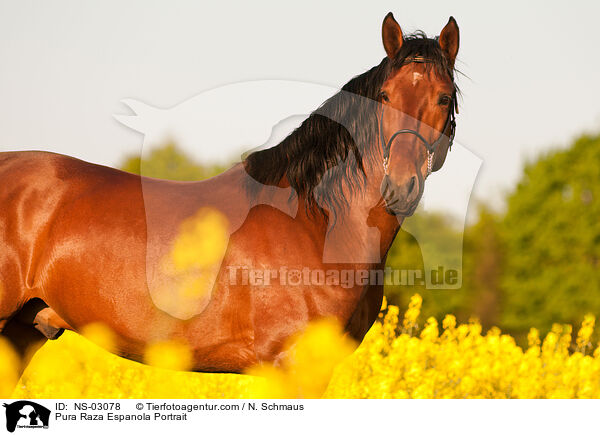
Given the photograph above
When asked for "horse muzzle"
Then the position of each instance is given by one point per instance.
(401, 199)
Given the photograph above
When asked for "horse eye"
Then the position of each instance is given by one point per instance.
(385, 97)
(444, 100)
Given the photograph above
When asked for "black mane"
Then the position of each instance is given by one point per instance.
(327, 154)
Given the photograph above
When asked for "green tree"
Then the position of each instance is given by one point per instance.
(170, 163)
(552, 237)
(406, 254)
(483, 268)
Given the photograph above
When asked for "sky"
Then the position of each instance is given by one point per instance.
(530, 70)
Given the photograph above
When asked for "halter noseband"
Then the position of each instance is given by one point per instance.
(431, 147)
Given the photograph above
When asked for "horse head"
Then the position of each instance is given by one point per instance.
(418, 100)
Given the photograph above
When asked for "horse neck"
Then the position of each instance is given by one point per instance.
(359, 232)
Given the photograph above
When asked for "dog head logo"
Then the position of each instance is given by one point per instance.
(26, 414)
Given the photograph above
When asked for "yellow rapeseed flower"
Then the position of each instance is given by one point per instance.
(393, 361)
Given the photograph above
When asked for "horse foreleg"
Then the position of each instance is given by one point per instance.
(25, 339)
(43, 318)
(29, 329)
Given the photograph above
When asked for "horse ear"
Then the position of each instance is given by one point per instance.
(449, 40)
(392, 35)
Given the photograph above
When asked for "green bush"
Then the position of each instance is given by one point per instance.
(552, 235)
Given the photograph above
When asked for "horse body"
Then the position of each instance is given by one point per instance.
(84, 243)
(78, 241)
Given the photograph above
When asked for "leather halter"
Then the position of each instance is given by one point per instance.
(431, 147)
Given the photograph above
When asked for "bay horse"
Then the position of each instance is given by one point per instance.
(84, 243)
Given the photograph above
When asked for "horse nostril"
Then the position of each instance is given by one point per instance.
(411, 185)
